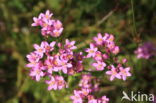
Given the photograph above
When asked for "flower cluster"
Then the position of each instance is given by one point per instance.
(84, 94)
(52, 61)
(146, 51)
(45, 62)
(48, 26)
(101, 52)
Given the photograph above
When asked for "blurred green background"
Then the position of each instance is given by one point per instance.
(131, 21)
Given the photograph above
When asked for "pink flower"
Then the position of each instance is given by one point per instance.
(65, 65)
(76, 98)
(91, 51)
(98, 56)
(40, 49)
(105, 56)
(70, 45)
(49, 64)
(49, 47)
(37, 73)
(56, 33)
(91, 99)
(146, 50)
(37, 21)
(52, 83)
(85, 91)
(99, 65)
(98, 39)
(113, 72)
(57, 25)
(85, 81)
(116, 50)
(60, 82)
(124, 72)
(47, 15)
(104, 99)
(33, 57)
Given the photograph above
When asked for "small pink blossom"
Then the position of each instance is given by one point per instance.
(70, 45)
(104, 99)
(60, 82)
(37, 73)
(76, 98)
(98, 56)
(91, 51)
(114, 74)
(56, 33)
(99, 65)
(49, 47)
(40, 49)
(52, 83)
(98, 39)
(124, 72)
(116, 50)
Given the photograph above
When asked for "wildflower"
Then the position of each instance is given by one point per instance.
(49, 47)
(40, 49)
(114, 74)
(91, 51)
(52, 84)
(37, 73)
(91, 99)
(124, 72)
(146, 51)
(47, 15)
(115, 50)
(77, 97)
(98, 39)
(103, 99)
(98, 56)
(60, 82)
(70, 45)
(99, 65)
(56, 33)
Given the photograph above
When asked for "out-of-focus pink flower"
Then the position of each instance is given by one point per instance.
(76, 98)
(57, 24)
(52, 83)
(98, 56)
(98, 39)
(124, 72)
(105, 56)
(56, 33)
(56, 82)
(40, 49)
(116, 50)
(47, 14)
(70, 45)
(91, 51)
(146, 51)
(65, 65)
(37, 73)
(85, 81)
(33, 57)
(104, 99)
(49, 47)
(91, 99)
(114, 74)
(60, 82)
(99, 65)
